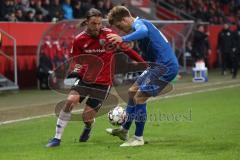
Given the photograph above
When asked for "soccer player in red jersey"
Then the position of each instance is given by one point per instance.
(93, 57)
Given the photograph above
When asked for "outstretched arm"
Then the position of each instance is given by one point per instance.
(133, 55)
(140, 32)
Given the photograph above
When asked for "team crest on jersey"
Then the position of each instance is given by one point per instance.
(85, 45)
(102, 42)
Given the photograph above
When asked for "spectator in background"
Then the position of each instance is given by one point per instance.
(86, 5)
(12, 17)
(100, 7)
(30, 16)
(51, 10)
(200, 45)
(200, 9)
(200, 14)
(236, 50)
(8, 10)
(56, 11)
(22, 5)
(31, 6)
(108, 5)
(220, 16)
(225, 46)
(40, 9)
(78, 11)
(39, 17)
(46, 4)
(103, 5)
(19, 15)
(1, 10)
(67, 9)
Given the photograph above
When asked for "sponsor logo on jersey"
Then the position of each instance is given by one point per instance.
(94, 50)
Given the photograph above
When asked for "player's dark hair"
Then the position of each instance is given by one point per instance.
(93, 12)
(117, 14)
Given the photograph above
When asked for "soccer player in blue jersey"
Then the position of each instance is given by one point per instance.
(163, 68)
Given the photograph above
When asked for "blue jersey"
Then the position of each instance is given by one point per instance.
(152, 42)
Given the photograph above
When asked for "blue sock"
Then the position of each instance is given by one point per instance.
(130, 110)
(140, 119)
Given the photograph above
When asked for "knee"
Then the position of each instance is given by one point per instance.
(74, 99)
(131, 92)
(71, 101)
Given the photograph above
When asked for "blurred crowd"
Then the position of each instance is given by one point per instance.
(49, 10)
(213, 11)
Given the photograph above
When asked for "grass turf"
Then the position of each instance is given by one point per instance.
(198, 126)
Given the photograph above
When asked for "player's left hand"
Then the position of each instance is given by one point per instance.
(114, 38)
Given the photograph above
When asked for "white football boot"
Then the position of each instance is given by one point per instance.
(134, 141)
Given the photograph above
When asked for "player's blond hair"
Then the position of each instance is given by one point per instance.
(117, 13)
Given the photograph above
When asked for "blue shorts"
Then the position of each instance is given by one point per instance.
(155, 78)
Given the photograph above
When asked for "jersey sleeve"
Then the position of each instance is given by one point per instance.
(74, 54)
(134, 55)
(141, 31)
(75, 50)
(130, 52)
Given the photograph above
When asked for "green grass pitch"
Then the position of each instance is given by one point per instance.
(198, 126)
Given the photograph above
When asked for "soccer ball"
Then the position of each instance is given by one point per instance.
(117, 116)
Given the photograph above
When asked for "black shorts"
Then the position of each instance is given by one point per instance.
(96, 93)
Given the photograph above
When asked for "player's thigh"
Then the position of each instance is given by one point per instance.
(154, 81)
(97, 96)
(72, 99)
(133, 90)
(73, 96)
(138, 95)
(141, 97)
(78, 91)
(96, 102)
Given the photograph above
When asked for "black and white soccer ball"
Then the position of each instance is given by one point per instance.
(117, 116)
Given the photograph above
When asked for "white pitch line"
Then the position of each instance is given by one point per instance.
(200, 85)
(194, 92)
(184, 87)
(33, 117)
(152, 99)
(25, 119)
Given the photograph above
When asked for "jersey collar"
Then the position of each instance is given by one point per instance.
(134, 22)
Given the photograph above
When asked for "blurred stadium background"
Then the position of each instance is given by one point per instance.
(36, 37)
